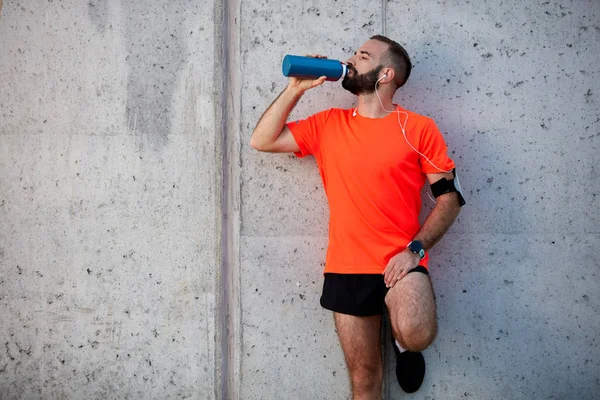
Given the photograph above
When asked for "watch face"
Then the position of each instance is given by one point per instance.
(417, 247)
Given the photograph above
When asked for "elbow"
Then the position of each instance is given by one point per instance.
(255, 144)
(258, 144)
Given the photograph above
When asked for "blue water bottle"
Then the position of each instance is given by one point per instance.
(313, 68)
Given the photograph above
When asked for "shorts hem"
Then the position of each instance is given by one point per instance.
(341, 310)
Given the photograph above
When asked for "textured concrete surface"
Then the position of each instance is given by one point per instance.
(108, 202)
(147, 252)
(513, 87)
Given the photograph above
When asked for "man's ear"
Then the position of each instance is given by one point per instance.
(389, 74)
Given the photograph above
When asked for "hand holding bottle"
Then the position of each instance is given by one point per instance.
(304, 83)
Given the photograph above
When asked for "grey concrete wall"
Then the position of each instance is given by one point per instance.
(109, 208)
(514, 88)
(147, 252)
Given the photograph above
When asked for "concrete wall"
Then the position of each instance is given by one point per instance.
(109, 207)
(147, 252)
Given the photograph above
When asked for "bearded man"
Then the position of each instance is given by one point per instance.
(374, 160)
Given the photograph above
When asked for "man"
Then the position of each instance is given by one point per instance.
(373, 160)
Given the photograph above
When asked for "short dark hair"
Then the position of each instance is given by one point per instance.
(398, 57)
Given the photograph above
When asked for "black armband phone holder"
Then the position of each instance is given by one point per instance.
(444, 186)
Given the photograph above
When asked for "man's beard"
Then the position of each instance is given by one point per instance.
(361, 83)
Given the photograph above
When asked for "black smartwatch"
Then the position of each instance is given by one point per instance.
(416, 247)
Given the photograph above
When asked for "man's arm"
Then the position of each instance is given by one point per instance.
(436, 225)
(441, 217)
(271, 134)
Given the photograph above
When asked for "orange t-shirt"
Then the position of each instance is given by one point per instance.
(373, 181)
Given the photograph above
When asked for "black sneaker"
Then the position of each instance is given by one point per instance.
(410, 369)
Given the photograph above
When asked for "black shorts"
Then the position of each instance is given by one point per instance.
(362, 295)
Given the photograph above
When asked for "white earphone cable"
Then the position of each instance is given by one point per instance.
(402, 127)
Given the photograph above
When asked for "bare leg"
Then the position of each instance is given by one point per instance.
(360, 340)
(411, 306)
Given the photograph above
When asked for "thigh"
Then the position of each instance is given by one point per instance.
(411, 303)
(360, 340)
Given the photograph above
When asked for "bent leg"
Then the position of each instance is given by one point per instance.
(411, 306)
(360, 340)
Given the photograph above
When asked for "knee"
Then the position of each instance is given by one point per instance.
(366, 378)
(417, 337)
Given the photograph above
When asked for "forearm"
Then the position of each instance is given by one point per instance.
(273, 120)
(439, 220)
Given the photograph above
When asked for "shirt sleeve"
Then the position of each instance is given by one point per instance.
(307, 133)
(434, 151)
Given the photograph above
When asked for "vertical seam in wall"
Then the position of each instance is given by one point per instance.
(383, 16)
(220, 353)
(228, 307)
(385, 332)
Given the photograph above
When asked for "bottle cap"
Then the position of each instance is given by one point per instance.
(344, 70)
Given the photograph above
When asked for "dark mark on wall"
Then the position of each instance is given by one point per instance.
(155, 56)
(26, 351)
(8, 352)
(313, 10)
(589, 137)
(98, 12)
